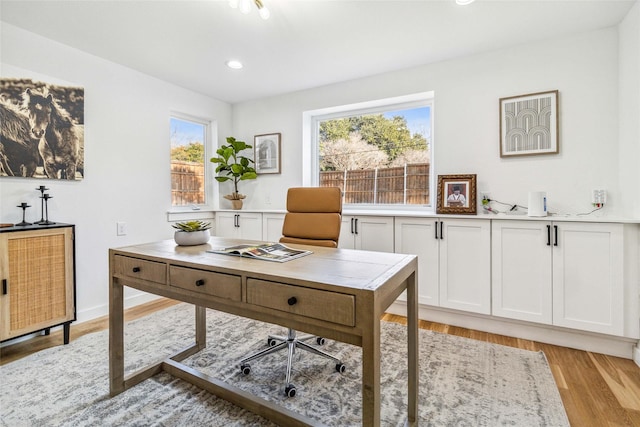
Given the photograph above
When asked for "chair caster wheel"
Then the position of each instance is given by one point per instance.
(245, 369)
(271, 342)
(320, 340)
(340, 367)
(290, 390)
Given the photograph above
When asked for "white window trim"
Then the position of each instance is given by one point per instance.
(310, 144)
(210, 190)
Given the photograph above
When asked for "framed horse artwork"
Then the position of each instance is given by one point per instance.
(41, 130)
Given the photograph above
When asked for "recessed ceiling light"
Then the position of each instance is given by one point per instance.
(464, 2)
(236, 65)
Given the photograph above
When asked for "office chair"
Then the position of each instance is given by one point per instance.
(313, 218)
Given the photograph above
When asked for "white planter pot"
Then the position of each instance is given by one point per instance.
(192, 238)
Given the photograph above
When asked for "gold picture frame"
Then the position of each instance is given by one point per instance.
(529, 124)
(456, 194)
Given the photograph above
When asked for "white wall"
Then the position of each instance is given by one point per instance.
(583, 67)
(629, 34)
(126, 156)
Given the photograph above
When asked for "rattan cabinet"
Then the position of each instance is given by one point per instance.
(37, 274)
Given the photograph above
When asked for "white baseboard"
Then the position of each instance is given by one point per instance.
(597, 343)
(103, 310)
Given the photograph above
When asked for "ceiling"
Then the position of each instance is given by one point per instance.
(305, 43)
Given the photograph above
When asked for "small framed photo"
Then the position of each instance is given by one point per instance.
(456, 194)
(529, 124)
(267, 153)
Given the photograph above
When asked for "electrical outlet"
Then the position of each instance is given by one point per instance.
(485, 195)
(599, 197)
(121, 228)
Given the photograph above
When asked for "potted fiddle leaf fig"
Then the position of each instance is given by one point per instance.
(235, 167)
(189, 233)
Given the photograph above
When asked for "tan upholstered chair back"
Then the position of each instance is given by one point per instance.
(313, 216)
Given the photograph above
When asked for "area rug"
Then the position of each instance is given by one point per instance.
(463, 382)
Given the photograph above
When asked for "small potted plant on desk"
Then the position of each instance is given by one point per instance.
(190, 233)
(235, 167)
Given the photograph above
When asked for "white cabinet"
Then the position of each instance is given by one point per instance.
(371, 233)
(416, 236)
(521, 265)
(239, 225)
(453, 260)
(272, 226)
(465, 264)
(567, 274)
(588, 285)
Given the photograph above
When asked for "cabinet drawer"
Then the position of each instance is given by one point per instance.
(140, 269)
(324, 305)
(215, 284)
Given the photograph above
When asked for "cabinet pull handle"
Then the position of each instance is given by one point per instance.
(441, 233)
(351, 225)
(356, 225)
(4, 286)
(548, 235)
(136, 269)
(292, 301)
(200, 282)
(436, 228)
(555, 235)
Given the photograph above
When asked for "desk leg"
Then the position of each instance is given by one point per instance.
(201, 327)
(116, 337)
(371, 374)
(413, 349)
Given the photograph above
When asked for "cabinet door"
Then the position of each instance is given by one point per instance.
(272, 226)
(347, 234)
(416, 236)
(245, 225)
(521, 270)
(588, 277)
(465, 265)
(369, 233)
(374, 233)
(38, 269)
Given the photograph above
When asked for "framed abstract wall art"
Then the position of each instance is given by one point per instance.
(529, 124)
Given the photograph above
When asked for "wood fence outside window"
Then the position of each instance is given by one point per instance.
(187, 183)
(408, 184)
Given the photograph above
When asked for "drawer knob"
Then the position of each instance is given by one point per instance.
(136, 269)
(199, 282)
(292, 301)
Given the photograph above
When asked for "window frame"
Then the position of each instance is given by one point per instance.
(210, 135)
(311, 144)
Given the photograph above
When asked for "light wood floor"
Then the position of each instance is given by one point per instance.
(596, 390)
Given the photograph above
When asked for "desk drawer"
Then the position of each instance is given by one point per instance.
(324, 305)
(140, 269)
(207, 282)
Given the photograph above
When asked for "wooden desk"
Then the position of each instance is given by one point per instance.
(358, 285)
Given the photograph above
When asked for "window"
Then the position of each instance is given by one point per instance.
(378, 153)
(189, 139)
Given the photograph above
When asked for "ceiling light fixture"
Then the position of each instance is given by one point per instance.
(245, 7)
(236, 65)
(464, 2)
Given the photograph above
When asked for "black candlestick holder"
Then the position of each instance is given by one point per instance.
(24, 207)
(42, 189)
(46, 197)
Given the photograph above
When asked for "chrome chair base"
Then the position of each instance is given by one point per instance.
(290, 342)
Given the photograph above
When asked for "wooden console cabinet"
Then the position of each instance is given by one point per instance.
(37, 275)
